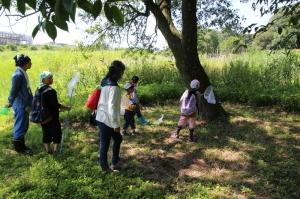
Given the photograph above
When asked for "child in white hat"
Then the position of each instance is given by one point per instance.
(188, 110)
(130, 106)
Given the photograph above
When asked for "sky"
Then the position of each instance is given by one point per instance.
(77, 31)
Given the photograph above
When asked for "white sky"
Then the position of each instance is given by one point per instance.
(76, 31)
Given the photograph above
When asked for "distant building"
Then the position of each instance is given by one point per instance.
(8, 38)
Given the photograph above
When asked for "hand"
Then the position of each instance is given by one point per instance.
(8, 105)
(117, 130)
(28, 109)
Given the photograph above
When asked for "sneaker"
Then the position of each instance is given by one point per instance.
(124, 132)
(117, 167)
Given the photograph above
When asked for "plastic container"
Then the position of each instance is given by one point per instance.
(4, 111)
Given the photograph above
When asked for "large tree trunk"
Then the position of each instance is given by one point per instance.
(184, 46)
(298, 40)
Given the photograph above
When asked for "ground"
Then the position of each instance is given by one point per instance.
(254, 153)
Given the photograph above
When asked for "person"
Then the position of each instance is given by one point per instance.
(108, 116)
(188, 109)
(20, 99)
(142, 120)
(51, 129)
(130, 106)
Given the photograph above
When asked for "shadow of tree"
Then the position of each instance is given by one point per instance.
(239, 153)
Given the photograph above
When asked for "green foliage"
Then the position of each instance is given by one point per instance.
(47, 47)
(12, 47)
(33, 48)
(274, 82)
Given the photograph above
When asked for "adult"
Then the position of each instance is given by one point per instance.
(108, 115)
(20, 98)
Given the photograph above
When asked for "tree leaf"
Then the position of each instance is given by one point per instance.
(97, 8)
(118, 15)
(73, 12)
(68, 5)
(108, 13)
(294, 20)
(31, 3)
(6, 4)
(60, 23)
(85, 5)
(51, 30)
(36, 30)
(60, 12)
(21, 6)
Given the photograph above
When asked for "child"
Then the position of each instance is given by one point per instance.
(130, 106)
(52, 129)
(188, 110)
(142, 120)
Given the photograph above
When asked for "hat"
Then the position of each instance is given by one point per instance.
(195, 84)
(128, 86)
(45, 75)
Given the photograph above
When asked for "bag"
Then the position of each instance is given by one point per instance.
(39, 113)
(93, 99)
(185, 103)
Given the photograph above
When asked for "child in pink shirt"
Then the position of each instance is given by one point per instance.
(188, 110)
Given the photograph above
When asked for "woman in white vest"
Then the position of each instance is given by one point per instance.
(108, 115)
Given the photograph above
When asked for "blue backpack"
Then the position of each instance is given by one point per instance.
(40, 114)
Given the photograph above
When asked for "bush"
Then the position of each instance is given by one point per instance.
(154, 93)
(33, 48)
(12, 47)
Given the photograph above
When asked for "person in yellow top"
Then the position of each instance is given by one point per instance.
(130, 107)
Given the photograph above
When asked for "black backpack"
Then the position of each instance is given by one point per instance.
(40, 114)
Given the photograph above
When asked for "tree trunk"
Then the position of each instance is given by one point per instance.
(184, 47)
(298, 40)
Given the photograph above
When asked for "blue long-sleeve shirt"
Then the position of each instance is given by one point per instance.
(20, 94)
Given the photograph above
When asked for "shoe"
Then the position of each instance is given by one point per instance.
(124, 132)
(117, 167)
(143, 121)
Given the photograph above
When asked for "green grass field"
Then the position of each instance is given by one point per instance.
(255, 153)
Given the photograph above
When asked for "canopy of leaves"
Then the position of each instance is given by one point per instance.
(56, 13)
(286, 16)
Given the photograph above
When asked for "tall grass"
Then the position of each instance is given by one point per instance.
(259, 78)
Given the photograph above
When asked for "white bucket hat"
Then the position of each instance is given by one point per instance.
(195, 84)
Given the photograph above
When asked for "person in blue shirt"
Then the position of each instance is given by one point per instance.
(20, 99)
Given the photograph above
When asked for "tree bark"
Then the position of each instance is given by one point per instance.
(298, 40)
(184, 46)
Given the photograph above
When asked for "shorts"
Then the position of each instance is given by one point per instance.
(52, 132)
(187, 120)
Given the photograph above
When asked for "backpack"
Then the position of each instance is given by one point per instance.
(185, 101)
(39, 113)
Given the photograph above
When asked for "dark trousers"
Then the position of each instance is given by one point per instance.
(106, 133)
(129, 119)
(52, 131)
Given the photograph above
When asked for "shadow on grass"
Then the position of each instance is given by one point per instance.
(250, 156)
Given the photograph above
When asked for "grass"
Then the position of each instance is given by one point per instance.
(253, 154)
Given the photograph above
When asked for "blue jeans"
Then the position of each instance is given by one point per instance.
(106, 133)
(21, 123)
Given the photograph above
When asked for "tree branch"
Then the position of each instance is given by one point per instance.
(164, 21)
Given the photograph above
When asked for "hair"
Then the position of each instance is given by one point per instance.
(115, 71)
(190, 92)
(21, 60)
(135, 78)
